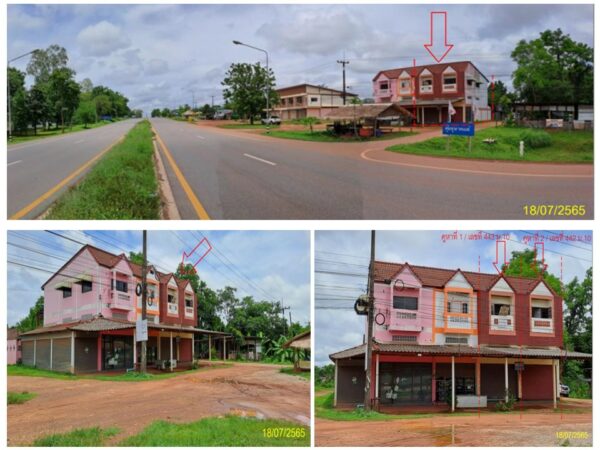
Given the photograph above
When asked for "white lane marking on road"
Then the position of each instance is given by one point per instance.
(200, 137)
(15, 162)
(79, 142)
(260, 159)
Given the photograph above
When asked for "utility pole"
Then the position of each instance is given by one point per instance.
(283, 312)
(343, 62)
(212, 101)
(144, 298)
(369, 352)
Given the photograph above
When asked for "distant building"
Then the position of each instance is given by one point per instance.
(427, 90)
(308, 100)
(13, 351)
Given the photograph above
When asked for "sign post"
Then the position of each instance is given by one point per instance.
(458, 129)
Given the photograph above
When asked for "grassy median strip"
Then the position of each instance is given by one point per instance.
(18, 398)
(80, 437)
(564, 146)
(228, 431)
(121, 186)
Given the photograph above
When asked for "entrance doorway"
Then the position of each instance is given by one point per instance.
(404, 383)
(117, 352)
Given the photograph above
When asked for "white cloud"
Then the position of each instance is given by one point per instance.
(102, 39)
(156, 67)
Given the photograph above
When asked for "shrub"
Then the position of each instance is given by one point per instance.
(535, 138)
(508, 404)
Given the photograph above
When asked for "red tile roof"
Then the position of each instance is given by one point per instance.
(437, 277)
(433, 68)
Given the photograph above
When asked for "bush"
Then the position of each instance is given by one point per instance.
(506, 405)
(535, 138)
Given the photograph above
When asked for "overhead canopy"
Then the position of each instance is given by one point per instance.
(189, 112)
(64, 285)
(369, 111)
(301, 341)
(83, 277)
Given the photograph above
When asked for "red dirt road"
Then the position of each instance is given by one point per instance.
(489, 430)
(61, 405)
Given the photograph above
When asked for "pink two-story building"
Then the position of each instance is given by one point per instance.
(442, 334)
(91, 306)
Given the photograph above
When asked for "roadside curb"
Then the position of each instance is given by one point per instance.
(168, 210)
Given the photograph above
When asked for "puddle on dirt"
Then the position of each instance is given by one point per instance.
(246, 413)
(434, 436)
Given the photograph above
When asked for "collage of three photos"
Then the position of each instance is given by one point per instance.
(335, 302)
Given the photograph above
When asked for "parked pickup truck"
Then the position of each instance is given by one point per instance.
(273, 120)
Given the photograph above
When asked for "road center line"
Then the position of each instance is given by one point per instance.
(15, 162)
(260, 159)
(200, 137)
(79, 142)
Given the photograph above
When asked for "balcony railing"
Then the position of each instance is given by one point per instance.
(404, 321)
(189, 311)
(426, 89)
(449, 88)
(172, 308)
(458, 322)
(541, 325)
(502, 323)
(120, 300)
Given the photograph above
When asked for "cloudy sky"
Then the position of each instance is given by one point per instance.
(269, 265)
(164, 55)
(347, 252)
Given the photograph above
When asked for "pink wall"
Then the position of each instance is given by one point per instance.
(382, 97)
(11, 351)
(421, 326)
(58, 309)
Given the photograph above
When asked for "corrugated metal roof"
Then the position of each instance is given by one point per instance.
(102, 324)
(368, 111)
(462, 350)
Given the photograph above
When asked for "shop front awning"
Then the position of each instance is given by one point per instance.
(63, 285)
(462, 350)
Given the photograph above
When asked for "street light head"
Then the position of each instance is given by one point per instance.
(237, 43)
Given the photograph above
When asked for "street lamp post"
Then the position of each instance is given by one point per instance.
(268, 80)
(8, 89)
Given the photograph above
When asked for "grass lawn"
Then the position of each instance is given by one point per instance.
(17, 398)
(324, 136)
(566, 146)
(55, 132)
(121, 186)
(302, 374)
(229, 431)
(80, 437)
(24, 371)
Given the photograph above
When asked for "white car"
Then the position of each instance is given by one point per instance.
(273, 120)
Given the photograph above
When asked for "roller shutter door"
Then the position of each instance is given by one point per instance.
(61, 355)
(42, 354)
(27, 353)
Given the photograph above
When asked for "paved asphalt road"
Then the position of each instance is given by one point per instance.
(244, 176)
(37, 167)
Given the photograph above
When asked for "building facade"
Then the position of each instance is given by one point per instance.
(427, 90)
(91, 306)
(475, 336)
(307, 100)
(13, 346)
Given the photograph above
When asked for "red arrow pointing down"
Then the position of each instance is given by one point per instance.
(495, 263)
(537, 254)
(439, 48)
(201, 257)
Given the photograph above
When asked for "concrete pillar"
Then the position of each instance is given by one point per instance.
(335, 384)
(439, 114)
(433, 382)
(158, 344)
(51, 348)
(171, 351)
(558, 379)
(99, 352)
(554, 383)
(209, 347)
(519, 385)
(453, 392)
(422, 116)
(34, 352)
(224, 349)
(72, 352)
(134, 350)
(464, 111)
(506, 379)
(478, 377)
(377, 375)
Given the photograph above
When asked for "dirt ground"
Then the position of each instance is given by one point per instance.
(490, 430)
(245, 388)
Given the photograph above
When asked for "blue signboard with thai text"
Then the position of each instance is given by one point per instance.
(459, 129)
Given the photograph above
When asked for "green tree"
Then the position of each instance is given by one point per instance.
(310, 122)
(208, 309)
(34, 318)
(63, 95)
(44, 62)
(86, 86)
(103, 105)
(525, 264)
(554, 69)
(19, 111)
(228, 302)
(577, 315)
(166, 112)
(86, 113)
(37, 105)
(245, 88)
(155, 113)
(16, 85)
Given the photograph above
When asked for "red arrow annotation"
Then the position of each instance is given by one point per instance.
(495, 263)
(439, 48)
(206, 252)
(537, 254)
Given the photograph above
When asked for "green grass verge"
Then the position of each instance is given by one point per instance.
(229, 431)
(324, 136)
(41, 134)
(80, 437)
(24, 371)
(18, 398)
(121, 186)
(302, 374)
(566, 146)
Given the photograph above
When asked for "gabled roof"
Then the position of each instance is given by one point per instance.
(436, 277)
(325, 88)
(367, 111)
(433, 68)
